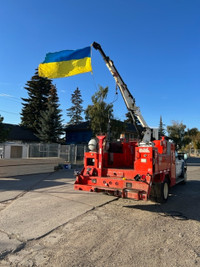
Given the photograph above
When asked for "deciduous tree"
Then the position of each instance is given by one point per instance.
(193, 136)
(176, 132)
(100, 112)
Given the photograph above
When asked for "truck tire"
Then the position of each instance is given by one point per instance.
(185, 177)
(163, 191)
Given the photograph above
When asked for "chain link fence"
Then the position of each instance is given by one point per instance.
(2, 148)
(43, 150)
(70, 153)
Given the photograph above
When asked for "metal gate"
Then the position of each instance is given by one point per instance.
(15, 152)
(73, 153)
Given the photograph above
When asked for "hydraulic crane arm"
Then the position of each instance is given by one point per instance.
(129, 100)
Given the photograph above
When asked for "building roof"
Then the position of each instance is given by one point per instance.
(86, 126)
(129, 127)
(20, 133)
(78, 127)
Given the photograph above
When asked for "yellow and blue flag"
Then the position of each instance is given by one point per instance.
(66, 63)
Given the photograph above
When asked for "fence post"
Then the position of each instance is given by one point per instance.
(59, 148)
(27, 155)
(75, 154)
(70, 153)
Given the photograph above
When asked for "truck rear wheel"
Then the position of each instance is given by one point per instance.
(163, 191)
(185, 177)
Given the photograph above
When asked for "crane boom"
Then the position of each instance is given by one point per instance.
(129, 100)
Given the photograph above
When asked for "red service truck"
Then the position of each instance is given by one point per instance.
(140, 169)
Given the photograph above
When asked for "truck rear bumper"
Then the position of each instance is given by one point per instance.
(124, 193)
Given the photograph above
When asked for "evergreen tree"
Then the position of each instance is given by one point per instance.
(50, 123)
(38, 90)
(3, 131)
(75, 111)
(99, 113)
(161, 130)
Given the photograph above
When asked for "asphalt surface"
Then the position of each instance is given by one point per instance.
(35, 200)
(16, 167)
(38, 203)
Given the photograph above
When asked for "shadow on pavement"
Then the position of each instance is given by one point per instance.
(183, 203)
(35, 181)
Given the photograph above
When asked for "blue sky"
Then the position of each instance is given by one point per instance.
(155, 45)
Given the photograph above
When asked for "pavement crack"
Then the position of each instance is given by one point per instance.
(31, 188)
(5, 253)
(12, 236)
(64, 224)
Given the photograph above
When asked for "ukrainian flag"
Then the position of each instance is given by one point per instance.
(66, 63)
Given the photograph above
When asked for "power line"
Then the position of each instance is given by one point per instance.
(9, 112)
(11, 98)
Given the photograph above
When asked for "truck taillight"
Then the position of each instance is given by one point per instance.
(139, 177)
(143, 177)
